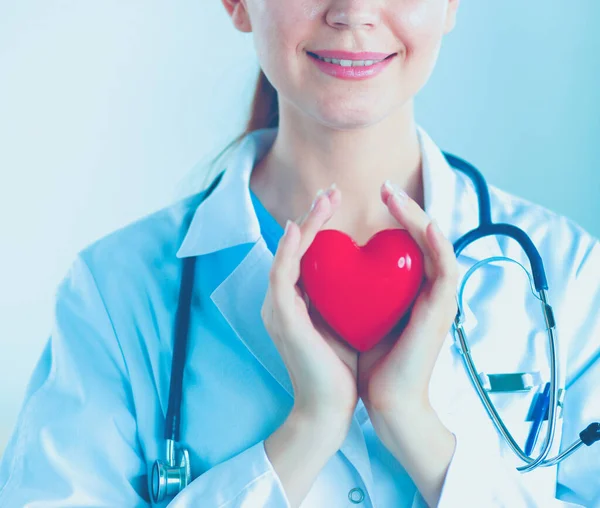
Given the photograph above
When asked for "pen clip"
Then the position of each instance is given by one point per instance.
(537, 396)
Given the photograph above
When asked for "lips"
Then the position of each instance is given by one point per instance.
(348, 55)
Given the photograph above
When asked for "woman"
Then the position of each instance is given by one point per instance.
(277, 410)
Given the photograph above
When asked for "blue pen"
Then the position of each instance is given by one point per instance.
(539, 414)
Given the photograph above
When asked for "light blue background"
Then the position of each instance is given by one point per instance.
(109, 110)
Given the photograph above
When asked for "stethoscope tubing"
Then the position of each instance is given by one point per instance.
(488, 228)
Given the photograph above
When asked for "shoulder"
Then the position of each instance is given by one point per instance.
(140, 257)
(156, 236)
(563, 243)
(571, 259)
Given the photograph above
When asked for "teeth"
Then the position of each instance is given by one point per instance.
(349, 63)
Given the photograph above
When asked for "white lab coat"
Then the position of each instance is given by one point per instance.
(92, 420)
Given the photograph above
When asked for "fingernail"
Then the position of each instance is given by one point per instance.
(331, 188)
(397, 193)
(287, 226)
(436, 227)
(319, 192)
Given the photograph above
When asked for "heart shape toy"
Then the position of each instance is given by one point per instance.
(362, 292)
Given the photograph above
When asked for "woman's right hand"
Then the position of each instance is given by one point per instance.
(322, 367)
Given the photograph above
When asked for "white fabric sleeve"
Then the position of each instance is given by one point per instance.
(479, 478)
(578, 478)
(247, 480)
(75, 441)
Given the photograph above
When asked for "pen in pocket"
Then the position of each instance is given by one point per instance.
(539, 414)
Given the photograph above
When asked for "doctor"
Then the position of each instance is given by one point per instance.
(276, 411)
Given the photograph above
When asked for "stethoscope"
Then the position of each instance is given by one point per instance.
(486, 227)
(170, 476)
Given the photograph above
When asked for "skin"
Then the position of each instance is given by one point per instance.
(357, 134)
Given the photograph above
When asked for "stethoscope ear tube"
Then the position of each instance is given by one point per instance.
(535, 260)
(169, 477)
(488, 228)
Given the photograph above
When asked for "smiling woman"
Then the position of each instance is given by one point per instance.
(190, 366)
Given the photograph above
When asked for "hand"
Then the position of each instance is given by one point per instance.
(322, 368)
(395, 374)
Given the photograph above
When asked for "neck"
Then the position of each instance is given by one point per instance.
(306, 157)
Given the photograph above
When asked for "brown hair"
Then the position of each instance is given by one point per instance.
(264, 114)
(265, 107)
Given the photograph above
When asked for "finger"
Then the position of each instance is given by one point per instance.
(446, 264)
(408, 213)
(435, 310)
(297, 229)
(323, 209)
(305, 215)
(285, 270)
(282, 277)
(437, 249)
(431, 320)
(337, 343)
(441, 264)
(443, 289)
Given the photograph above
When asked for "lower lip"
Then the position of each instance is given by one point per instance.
(353, 73)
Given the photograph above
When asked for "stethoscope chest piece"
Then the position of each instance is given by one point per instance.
(169, 477)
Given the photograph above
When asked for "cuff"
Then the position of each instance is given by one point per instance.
(247, 479)
(478, 477)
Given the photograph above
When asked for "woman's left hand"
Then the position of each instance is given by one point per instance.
(393, 376)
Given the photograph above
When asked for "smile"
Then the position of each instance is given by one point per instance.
(348, 63)
(348, 69)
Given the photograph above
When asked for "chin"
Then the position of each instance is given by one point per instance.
(343, 115)
(349, 120)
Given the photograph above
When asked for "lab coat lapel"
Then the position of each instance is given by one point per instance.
(240, 297)
(225, 220)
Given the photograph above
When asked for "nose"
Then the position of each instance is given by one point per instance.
(353, 14)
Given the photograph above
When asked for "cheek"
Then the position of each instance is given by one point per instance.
(419, 26)
(278, 28)
(313, 9)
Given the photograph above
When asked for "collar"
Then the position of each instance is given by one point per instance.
(227, 217)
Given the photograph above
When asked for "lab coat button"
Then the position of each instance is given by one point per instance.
(356, 495)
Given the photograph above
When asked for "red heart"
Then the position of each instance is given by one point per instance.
(362, 292)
